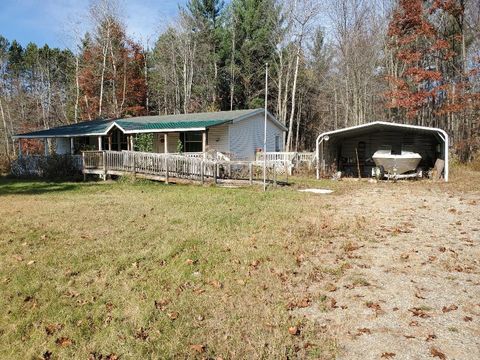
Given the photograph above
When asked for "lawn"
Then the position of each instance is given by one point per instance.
(147, 270)
(133, 270)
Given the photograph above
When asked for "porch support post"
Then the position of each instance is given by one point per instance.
(132, 144)
(204, 141)
(110, 142)
(99, 143)
(119, 141)
(165, 143)
(20, 147)
(72, 146)
(45, 142)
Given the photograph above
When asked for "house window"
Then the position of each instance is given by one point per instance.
(277, 143)
(192, 142)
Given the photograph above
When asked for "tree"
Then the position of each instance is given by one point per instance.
(111, 71)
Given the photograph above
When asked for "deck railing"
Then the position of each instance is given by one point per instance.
(294, 157)
(163, 166)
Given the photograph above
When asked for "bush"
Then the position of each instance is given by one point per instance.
(5, 164)
(144, 142)
(476, 162)
(55, 167)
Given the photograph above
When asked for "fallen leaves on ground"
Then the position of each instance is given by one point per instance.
(173, 315)
(141, 334)
(293, 330)
(161, 304)
(302, 303)
(449, 308)
(199, 348)
(216, 284)
(50, 329)
(388, 355)
(364, 331)
(437, 353)
(64, 341)
(419, 312)
(375, 307)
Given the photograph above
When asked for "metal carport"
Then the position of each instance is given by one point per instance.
(333, 146)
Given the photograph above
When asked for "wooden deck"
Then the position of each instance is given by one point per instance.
(172, 167)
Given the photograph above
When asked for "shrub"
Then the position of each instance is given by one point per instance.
(4, 164)
(144, 142)
(55, 167)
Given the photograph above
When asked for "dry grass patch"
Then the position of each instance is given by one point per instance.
(147, 270)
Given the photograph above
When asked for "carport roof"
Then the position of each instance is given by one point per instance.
(378, 125)
(158, 123)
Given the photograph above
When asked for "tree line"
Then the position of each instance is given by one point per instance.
(331, 64)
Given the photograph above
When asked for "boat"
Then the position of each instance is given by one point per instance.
(396, 164)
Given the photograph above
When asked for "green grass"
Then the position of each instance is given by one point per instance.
(90, 260)
(146, 270)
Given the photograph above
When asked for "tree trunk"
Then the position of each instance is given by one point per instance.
(77, 89)
(5, 129)
(294, 90)
(104, 65)
(232, 70)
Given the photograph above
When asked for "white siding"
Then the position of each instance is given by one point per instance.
(247, 135)
(218, 139)
(158, 145)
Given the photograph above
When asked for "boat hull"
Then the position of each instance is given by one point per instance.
(397, 164)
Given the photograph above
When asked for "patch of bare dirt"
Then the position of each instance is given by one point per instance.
(406, 283)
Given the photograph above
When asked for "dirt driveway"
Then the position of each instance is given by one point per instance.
(405, 282)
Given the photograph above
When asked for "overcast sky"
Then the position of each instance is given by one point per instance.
(49, 21)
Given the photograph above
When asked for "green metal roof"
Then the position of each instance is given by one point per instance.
(143, 124)
(79, 129)
(167, 125)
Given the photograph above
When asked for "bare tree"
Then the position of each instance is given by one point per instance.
(304, 13)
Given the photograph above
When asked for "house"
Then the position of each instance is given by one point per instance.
(351, 148)
(238, 134)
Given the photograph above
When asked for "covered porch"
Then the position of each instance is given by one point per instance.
(115, 138)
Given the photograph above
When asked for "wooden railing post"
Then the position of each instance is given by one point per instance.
(134, 166)
(202, 172)
(250, 173)
(286, 170)
(215, 167)
(166, 169)
(104, 160)
(274, 175)
(83, 167)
